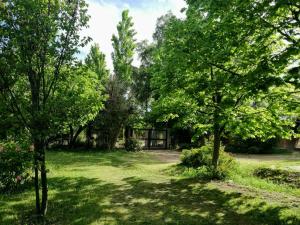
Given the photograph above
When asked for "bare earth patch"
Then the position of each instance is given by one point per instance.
(167, 156)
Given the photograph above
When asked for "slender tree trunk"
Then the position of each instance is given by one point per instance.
(41, 206)
(217, 144)
(44, 182)
(71, 134)
(36, 183)
(37, 132)
(216, 120)
(74, 137)
(202, 141)
(89, 135)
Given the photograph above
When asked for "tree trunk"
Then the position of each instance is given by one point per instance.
(44, 183)
(217, 144)
(39, 148)
(71, 134)
(73, 137)
(36, 183)
(89, 135)
(216, 120)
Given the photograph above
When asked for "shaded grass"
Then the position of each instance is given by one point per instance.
(131, 188)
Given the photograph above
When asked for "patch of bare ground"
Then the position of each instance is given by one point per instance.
(167, 156)
(274, 197)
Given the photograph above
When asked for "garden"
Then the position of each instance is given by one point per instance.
(199, 124)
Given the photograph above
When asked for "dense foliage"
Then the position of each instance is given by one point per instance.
(132, 145)
(16, 169)
(251, 146)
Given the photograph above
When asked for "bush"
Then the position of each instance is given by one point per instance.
(200, 160)
(279, 176)
(15, 166)
(132, 145)
(251, 146)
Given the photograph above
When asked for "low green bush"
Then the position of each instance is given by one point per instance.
(15, 166)
(199, 162)
(291, 178)
(132, 145)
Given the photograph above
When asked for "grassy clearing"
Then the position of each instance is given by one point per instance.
(133, 188)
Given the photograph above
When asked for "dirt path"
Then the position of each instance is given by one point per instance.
(167, 156)
(295, 156)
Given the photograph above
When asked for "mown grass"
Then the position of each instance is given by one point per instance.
(133, 188)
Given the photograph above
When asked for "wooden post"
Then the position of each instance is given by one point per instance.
(149, 137)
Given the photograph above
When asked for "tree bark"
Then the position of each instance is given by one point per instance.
(216, 123)
(73, 137)
(44, 182)
(89, 135)
(39, 148)
(217, 144)
(36, 184)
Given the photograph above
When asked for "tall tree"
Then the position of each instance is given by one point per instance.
(118, 106)
(38, 39)
(141, 89)
(213, 71)
(124, 45)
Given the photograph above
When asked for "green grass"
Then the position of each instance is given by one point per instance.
(244, 173)
(134, 188)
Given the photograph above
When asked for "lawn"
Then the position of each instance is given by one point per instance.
(135, 188)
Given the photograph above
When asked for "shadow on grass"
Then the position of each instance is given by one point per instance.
(118, 158)
(184, 202)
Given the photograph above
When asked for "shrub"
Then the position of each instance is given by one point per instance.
(200, 160)
(251, 146)
(15, 166)
(132, 145)
(291, 178)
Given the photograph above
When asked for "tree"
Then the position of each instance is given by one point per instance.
(124, 45)
(38, 39)
(213, 71)
(81, 92)
(118, 106)
(95, 61)
(141, 89)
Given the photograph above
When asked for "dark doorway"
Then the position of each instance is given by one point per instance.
(152, 138)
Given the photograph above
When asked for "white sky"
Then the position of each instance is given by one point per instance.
(105, 14)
